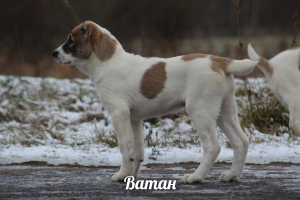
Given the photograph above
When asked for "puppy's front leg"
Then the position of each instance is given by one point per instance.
(122, 124)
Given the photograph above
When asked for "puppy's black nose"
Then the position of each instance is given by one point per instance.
(55, 54)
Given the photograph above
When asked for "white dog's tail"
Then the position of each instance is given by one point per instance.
(252, 54)
(263, 63)
(241, 67)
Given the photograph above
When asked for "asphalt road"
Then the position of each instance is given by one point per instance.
(277, 181)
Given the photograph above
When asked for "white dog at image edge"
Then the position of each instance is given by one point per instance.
(283, 76)
(133, 88)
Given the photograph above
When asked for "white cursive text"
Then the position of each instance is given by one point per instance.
(149, 184)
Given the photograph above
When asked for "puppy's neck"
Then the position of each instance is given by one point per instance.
(96, 69)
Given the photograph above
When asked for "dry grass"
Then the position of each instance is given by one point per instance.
(34, 114)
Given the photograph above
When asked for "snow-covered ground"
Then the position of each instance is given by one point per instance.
(62, 122)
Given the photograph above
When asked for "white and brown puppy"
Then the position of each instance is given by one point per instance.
(283, 76)
(133, 88)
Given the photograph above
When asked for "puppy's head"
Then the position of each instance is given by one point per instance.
(85, 39)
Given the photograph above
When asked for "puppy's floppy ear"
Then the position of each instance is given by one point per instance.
(102, 44)
(105, 47)
(85, 31)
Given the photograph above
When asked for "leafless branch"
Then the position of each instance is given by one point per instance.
(68, 5)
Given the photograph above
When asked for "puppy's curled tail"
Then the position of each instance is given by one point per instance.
(263, 63)
(241, 67)
(252, 54)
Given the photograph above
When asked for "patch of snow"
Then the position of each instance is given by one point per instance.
(65, 115)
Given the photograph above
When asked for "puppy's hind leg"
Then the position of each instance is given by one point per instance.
(137, 127)
(122, 124)
(205, 124)
(228, 121)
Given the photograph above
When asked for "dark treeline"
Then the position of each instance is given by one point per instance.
(32, 28)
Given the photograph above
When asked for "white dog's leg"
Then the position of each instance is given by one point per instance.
(228, 121)
(205, 123)
(122, 124)
(137, 127)
(294, 121)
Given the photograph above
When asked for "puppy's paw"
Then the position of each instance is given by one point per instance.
(227, 176)
(120, 176)
(191, 178)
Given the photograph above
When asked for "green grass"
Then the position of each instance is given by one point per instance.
(110, 139)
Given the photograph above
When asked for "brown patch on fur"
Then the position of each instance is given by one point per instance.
(89, 38)
(190, 57)
(153, 81)
(80, 48)
(264, 63)
(220, 64)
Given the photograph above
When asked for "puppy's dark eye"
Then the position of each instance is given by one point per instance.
(70, 41)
